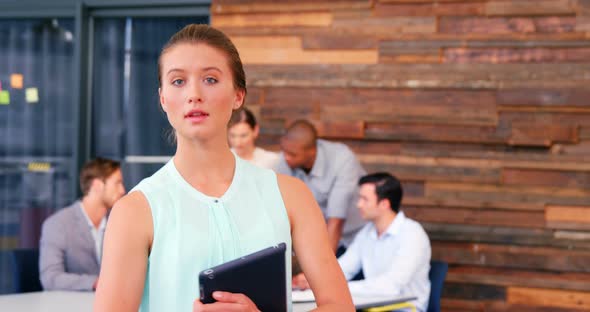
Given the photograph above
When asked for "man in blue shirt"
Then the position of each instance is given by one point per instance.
(331, 171)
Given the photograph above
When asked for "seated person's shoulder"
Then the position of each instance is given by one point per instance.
(61, 216)
(337, 150)
(416, 229)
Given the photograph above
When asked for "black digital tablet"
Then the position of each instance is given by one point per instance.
(261, 276)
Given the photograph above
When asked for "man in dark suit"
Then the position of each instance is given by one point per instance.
(71, 239)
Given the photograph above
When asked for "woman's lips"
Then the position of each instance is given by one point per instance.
(196, 116)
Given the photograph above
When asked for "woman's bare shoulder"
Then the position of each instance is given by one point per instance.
(292, 189)
(134, 202)
(287, 181)
(298, 199)
(132, 213)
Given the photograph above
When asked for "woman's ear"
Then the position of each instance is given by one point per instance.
(162, 101)
(239, 99)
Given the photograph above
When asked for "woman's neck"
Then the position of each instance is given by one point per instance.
(207, 166)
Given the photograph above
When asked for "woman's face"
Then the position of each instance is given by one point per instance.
(242, 138)
(197, 91)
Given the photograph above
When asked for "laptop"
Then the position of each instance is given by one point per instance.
(261, 276)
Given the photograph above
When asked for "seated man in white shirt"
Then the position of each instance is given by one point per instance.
(392, 250)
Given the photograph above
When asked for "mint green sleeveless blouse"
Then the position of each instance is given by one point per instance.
(193, 231)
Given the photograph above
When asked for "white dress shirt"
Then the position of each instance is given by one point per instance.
(396, 263)
(97, 234)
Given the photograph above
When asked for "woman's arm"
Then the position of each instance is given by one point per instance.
(126, 247)
(311, 244)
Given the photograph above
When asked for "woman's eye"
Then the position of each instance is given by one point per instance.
(177, 82)
(210, 80)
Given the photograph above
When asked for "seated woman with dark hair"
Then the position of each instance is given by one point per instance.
(242, 133)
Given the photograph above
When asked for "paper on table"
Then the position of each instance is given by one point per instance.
(302, 295)
(359, 301)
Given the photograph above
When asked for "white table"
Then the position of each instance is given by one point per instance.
(47, 301)
(63, 301)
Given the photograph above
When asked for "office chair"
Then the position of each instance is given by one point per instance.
(25, 268)
(437, 275)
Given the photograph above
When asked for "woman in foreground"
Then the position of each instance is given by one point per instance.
(206, 206)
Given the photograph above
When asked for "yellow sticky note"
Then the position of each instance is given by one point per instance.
(32, 95)
(16, 81)
(4, 97)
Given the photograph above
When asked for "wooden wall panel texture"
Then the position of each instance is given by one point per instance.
(481, 107)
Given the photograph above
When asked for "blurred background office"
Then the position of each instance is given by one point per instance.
(480, 107)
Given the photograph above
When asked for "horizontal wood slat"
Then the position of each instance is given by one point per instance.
(473, 291)
(567, 217)
(241, 7)
(477, 217)
(337, 129)
(477, 76)
(575, 179)
(386, 25)
(542, 134)
(429, 9)
(289, 50)
(338, 42)
(472, 108)
(338, 104)
(503, 25)
(519, 55)
(544, 97)
(410, 168)
(516, 257)
(434, 133)
(466, 305)
(530, 7)
(493, 234)
(522, 278)
(521, 194)
(549, 298)
(273, 19)
(372, 146)
(473, 204)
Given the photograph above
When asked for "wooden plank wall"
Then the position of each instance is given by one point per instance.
(481, 107)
